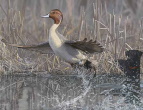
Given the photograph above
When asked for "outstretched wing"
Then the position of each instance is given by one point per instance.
(43, 48)
(86, 46)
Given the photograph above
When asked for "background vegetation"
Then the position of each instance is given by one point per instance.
(116, 24)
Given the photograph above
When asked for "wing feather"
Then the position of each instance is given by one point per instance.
(43, 48)
(86, 46)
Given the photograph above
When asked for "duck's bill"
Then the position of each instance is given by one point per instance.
(46, 16)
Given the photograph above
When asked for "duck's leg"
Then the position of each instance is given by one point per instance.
(90, 66)
(87, 65)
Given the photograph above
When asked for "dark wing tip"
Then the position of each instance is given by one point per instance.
(96, 46)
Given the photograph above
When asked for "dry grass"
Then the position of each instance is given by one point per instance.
(117, 25)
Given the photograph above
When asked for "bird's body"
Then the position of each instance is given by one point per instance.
(64, 51)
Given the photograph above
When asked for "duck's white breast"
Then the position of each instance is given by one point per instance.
(59, 49)
(68, 54)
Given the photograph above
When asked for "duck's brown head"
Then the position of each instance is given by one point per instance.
(56, 15)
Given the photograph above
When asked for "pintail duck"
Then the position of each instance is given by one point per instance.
(73, 52)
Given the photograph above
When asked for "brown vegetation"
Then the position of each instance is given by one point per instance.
(116, 24)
